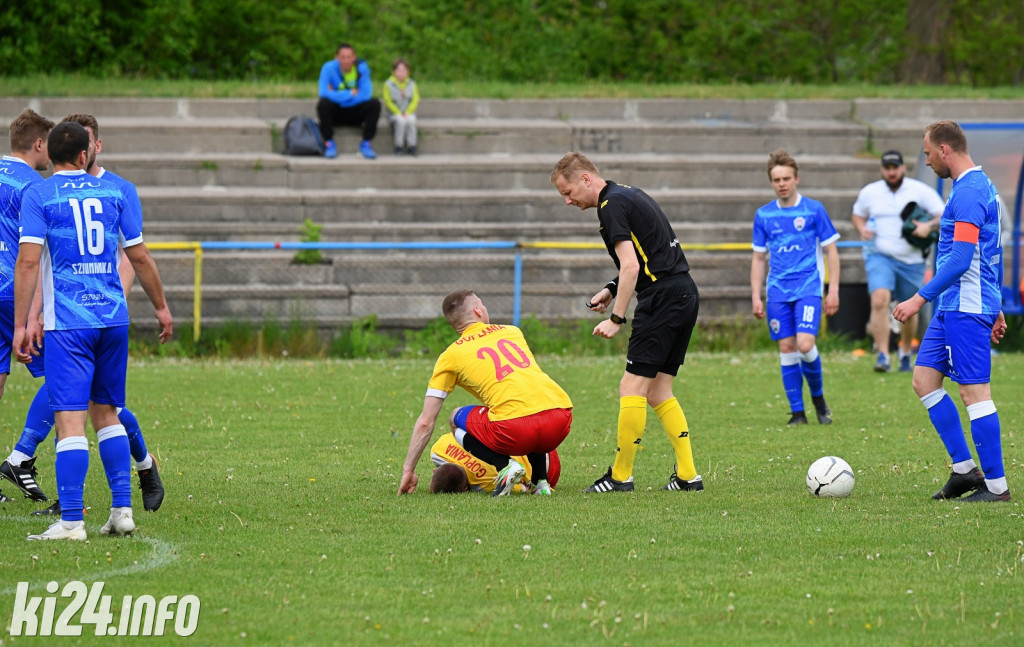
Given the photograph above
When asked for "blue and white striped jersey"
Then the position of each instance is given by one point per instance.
(973, 199)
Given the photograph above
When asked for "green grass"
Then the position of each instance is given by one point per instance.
(76, 85)
(282, 517)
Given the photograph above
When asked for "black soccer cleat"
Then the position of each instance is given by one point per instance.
(985, 495)
(607, 484)
(960, 484)
(152, 487)
(23, 476)
(822, 410)
(797, 418)
(4, 498)
(676, 483)
(52, 511)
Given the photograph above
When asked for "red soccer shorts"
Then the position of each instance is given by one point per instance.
(541, 432)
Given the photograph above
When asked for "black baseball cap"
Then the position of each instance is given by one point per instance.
(892, 158)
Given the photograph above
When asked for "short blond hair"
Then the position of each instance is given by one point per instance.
(571, 165)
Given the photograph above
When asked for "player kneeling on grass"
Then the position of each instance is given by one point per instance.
(525, 412)
(459, 471)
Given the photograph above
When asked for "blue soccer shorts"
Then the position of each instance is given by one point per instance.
(87, 364)
(903, 280)
(957, 345)
(787, 318)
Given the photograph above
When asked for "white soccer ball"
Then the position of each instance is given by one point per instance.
(830, 476)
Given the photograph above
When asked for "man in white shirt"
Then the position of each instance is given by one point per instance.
(894, 267)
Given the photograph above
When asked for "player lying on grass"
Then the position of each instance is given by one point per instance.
(459, 471)
(525, 412)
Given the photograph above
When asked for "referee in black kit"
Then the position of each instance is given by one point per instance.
(646, 252)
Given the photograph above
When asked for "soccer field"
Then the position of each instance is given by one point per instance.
(282, 517)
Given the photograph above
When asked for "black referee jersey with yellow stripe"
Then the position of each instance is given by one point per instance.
(627, 213)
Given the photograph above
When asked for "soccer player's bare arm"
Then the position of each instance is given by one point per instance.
(832, 297)
(149, 278)
(629, 270)
(421, 434)
(756, 282)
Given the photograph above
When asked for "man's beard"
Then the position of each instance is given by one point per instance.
(893, 186)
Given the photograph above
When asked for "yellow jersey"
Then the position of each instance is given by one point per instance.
(494, 364)
(481, 475)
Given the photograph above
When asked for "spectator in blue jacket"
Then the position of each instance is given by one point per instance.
(346, 99)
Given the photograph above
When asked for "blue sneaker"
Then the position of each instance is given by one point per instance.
(905, 364)
(367, 151)
(882, 365)
(330, 150)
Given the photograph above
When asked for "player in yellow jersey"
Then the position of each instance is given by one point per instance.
(459, 471)
(524, 411)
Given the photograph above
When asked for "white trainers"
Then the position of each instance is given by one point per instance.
(119, 523)
(543, 488)
(508, 477)
(61, 531)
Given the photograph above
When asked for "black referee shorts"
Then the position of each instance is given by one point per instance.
(662, 325)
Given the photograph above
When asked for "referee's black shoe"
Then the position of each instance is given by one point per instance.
(607, 484)
(960, 484)
(797, 418)
(676, 483)
(821, 408)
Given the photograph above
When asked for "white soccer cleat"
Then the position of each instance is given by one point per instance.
(508, 477)
(119, 523)
(60, 531)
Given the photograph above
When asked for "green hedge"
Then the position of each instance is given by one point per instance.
(980, 43)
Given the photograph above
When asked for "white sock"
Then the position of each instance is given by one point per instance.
(71, 525)
(997, 486)
(144, 464)
(18, 457)
(964, 467)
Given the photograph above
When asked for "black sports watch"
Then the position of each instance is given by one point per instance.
(617, 319)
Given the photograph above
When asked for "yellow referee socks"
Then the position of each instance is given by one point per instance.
(632, 421)
(674, 421)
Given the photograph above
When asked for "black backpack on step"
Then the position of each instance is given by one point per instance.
(302, 137)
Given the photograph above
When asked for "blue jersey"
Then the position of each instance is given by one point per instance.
(15, 176)
(793, 238)
(80, 220)
(973, 199)
(128, 189)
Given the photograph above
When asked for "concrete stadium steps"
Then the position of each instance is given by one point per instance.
(235, 213)
(476, 172)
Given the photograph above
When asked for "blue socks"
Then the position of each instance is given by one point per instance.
(38, 423)
(810, 364)
(792, 380)
(117, 463)
(946, 420)
(985, 431)
(135, 439)
(71, 465)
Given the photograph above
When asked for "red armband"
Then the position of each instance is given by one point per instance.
(965, 232)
